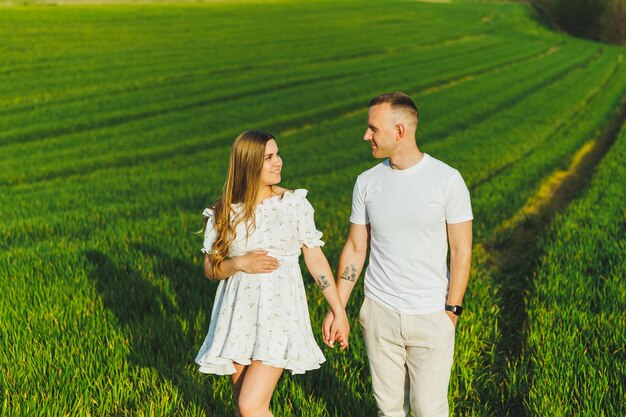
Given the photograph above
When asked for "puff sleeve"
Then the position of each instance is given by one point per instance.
(209, 232)
(307, 232)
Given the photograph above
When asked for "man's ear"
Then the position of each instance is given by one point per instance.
(399, 131)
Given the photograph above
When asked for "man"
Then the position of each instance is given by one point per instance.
(409, 207)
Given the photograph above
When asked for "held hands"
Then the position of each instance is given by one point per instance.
(336, 329)
(257, 262)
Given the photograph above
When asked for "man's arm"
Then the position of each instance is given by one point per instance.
(460, 239)
(352, 259)
(351, 263)
(318, 266)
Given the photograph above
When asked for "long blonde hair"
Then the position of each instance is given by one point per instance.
(241, 186)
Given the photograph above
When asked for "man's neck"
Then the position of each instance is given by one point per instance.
(405, 160)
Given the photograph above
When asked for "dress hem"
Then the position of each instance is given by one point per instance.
(229, 369)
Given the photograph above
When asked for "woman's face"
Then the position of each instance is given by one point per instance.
(272, 164)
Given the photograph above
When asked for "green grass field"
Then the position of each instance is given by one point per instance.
(576, 333)
(115, 126)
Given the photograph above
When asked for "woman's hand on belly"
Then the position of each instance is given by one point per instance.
(256, 262)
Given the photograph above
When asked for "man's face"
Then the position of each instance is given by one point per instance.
(272, 164)
(380, 131)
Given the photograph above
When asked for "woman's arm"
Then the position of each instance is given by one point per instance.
(318, 266)
(255, 262)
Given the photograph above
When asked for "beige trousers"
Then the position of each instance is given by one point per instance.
(410, 358)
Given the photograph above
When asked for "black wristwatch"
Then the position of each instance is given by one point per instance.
(456, 310)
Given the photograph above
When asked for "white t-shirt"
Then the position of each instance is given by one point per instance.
(407, 211)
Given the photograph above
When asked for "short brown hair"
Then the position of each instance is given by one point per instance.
(397, 101)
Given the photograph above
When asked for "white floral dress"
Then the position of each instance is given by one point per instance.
(265, 317)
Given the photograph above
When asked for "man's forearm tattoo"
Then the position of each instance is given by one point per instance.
(322, 282)
(349, 273)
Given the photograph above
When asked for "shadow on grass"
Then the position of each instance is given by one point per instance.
(159, 322)
(158, 307)
(342, 384)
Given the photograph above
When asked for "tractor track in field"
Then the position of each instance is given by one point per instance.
(155, 56)
(120, 119)
(488, 71)
(345, 110)
(517, 98)
(152, 83)
(126, 118)
(558, 129)
(436, 86)
(512, 256)
(61, 62)
(511, 101)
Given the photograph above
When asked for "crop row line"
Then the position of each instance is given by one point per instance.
(436, 86)
(511, 265)
(341, 111)
(575, 334)
(332, 112)
(187, 78)
(560, 126)
(511, 101)
(121, 119)
(237, 93)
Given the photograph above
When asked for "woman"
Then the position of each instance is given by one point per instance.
(260, 322)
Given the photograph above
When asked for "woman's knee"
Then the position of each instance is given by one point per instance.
(251, 407)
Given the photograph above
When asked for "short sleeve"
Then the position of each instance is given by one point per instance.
(209, 232)
(358, 214)
(307, 232)
(458, 207)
